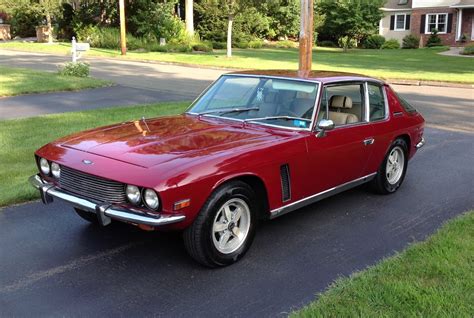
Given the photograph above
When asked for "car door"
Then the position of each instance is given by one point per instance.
(341, 154)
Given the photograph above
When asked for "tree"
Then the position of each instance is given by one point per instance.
(50, 8)
(355, 19)
(189, 17)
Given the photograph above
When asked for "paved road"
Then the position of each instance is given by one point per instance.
(55, 264)
(161, 77)
(60, 102)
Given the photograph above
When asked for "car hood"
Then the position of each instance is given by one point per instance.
(150, 142)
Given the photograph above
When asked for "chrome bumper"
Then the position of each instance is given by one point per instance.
(421, 143)
(105, 212)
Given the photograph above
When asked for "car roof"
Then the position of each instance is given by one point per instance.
(325, 77)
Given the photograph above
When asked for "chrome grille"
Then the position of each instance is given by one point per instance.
(92, 187)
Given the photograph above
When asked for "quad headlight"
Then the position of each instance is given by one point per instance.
(133, 194)
(151, 199)
(55, 170)
(44, 166)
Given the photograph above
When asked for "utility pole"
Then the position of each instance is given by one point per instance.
(123, 33)
(306, 38)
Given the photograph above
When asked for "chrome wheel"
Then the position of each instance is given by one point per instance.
(231, 226)
(395, 165)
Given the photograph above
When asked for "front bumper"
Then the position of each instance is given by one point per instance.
(105, 212)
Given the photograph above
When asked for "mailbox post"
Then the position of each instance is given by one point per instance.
(77, 49)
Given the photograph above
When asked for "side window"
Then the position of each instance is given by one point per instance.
(343, 104)
(376, 102)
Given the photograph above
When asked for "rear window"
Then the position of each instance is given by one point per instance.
(409, 108)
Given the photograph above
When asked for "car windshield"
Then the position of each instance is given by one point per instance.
(275, 101)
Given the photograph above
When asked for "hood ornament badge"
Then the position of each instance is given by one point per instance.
(87, 162)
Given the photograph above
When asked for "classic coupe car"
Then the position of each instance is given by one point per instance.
(254, 145)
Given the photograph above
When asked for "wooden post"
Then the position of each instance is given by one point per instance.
(123, 33)
(306, 38)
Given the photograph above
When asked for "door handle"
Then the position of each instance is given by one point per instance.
(369, 141)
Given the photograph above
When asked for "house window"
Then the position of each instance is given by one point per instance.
(400, 22)
(438, 21)
(402, 2)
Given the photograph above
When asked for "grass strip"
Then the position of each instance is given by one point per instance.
(434, 278)
(17, 81)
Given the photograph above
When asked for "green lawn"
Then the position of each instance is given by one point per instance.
(16, 81)
(19, 138)
(421, 64)
(434, 278)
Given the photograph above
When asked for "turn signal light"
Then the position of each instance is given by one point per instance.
(181, 204)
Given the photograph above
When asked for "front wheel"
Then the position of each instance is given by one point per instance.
(224, 229)
(392, 171)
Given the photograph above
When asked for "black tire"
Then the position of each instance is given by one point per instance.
(88, 216)
(381, 184)
(198, 238)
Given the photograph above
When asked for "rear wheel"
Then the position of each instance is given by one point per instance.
(88, 216)
(224, 229)
(392, 171)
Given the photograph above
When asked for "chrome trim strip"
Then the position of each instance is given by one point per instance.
(112, 211)
(320, 196)
(421, 143)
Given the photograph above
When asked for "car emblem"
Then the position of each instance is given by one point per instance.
(87, 162)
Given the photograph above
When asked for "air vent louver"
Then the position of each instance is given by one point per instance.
(285, 182)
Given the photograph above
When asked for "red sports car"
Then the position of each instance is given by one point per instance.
(255, 145)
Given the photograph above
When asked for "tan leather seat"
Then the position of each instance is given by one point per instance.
(339, 104)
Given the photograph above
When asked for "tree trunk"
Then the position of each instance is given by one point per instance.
(189, 17)
(229, 35)
(50, 28)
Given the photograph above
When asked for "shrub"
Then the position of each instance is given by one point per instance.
(410, 42)
(158, 21)
(374, 41)
(434, 39)
(202, 47)
(256, 44)
(241, 44)
(327, 43)
(78, 69)
(172, 48)
(219, 45)
(346, 42)
(283, 44)
(391, 44)
(468, 50)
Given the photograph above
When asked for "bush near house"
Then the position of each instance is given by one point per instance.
(434, 39)
(468, 50)
(374, 41)
(411, 42)
(391, 44)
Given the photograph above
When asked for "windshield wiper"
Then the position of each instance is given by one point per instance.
(229, 110)
(278, 117)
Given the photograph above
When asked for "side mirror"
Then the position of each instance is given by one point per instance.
(323, 126)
